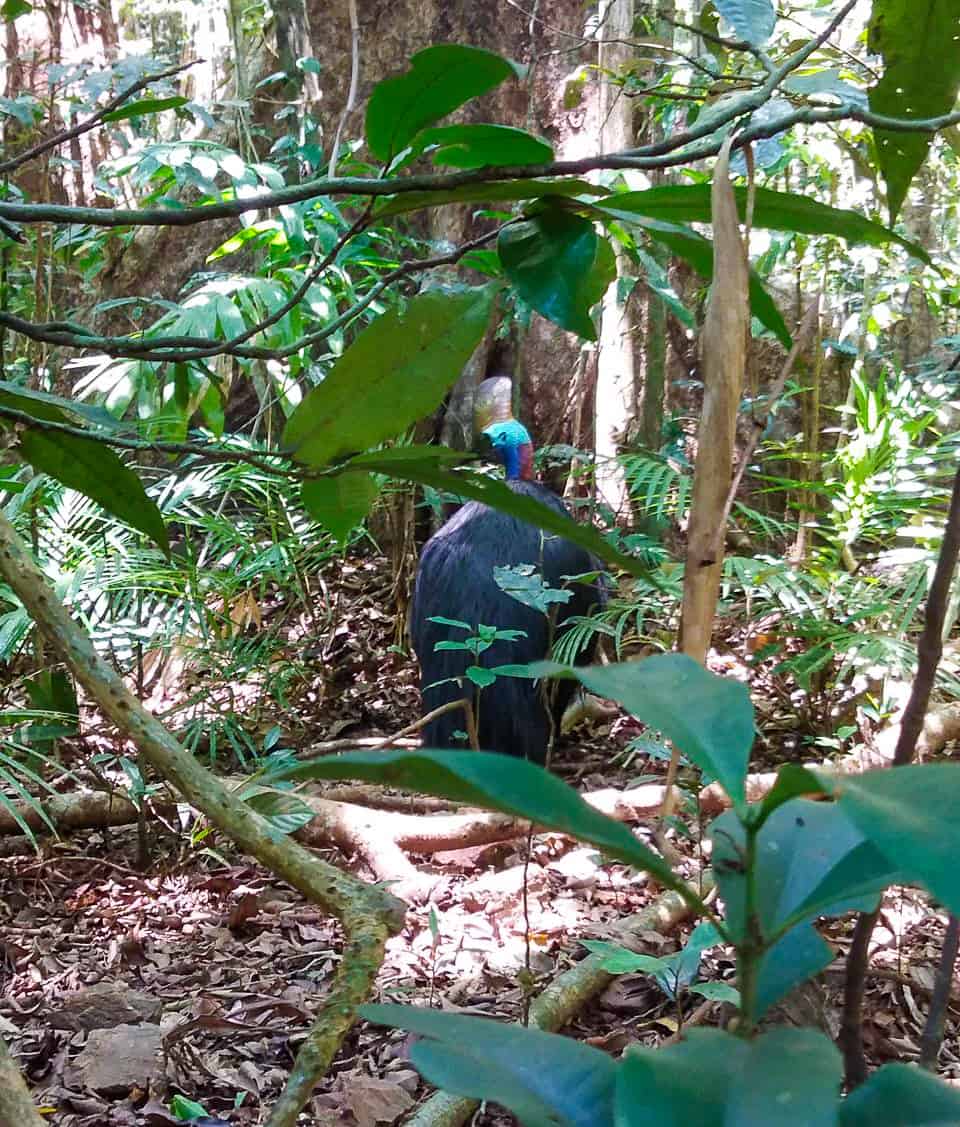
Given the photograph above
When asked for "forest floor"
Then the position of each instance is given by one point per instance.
(199, 974)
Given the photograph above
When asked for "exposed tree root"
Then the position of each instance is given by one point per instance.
(368, 915)
(564, 998)
(940, 727)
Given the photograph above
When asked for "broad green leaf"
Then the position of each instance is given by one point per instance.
(94, 470)
(13, 9)
(672, 972)
(717, 992)
(800, 954)
(811, 860)
(774, 211)
(709, 718)
(395, 372)
(524, 583)
(544, 1079)
(495, 782)
(918, 42)
(500, 496)
(54, 408)
(482, 146)
(793, 781)
(143, 107)
(559, 265)
(910, 815)
(495, 192)
(899, 1095)
(285, 812)
(790, 1077)
(480, 676)
(698, 252)
(440, 79)
(752, 20)
(340, 501)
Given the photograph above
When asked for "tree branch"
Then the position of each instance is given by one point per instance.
(93, 121)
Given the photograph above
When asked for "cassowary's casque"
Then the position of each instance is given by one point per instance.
(455, 581)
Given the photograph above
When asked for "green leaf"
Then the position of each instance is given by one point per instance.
(774, 211)
(559, 265)
(752, 20)
(921, 72)
(800, 954)
(790, 1077)
(811, 860)
(524, 583)
(544, 1079)
(495, 782)
(498, 495)
(53, 408)
(482, 146)
(501, 190)
(394, 373)
(340, 502)
(440, 79)
(13, 9)
(672, 972)
(144, 107)
(480, 676)
(910, 815)
(285, 812)
(717, 992)
(96, 471)
(709, 718)
(898, 1095)
(793, 781)
(698, 251)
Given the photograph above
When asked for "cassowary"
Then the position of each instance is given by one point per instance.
(455, 581)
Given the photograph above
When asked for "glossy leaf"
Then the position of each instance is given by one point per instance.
(918, 42)
(898, 1095)
(790, 1077)
(698, 252)
(716, 731)
(793, 781)
(340, 502)
(482, 146)
(440, 79)
(910, 815)
(811, 860)
(13, 9)
(800, 954)
(94, 470)
(285, 812)
(494, 192)
(560, 265)
(395, 372)
(544, 1079)
(774, 211)
(144, 107)
(752, 20)
(495, 782)
(524, 582)
(500, 496)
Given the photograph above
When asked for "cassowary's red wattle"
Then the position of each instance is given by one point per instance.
(455, 581)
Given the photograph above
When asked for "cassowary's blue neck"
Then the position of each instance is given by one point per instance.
(511, 443)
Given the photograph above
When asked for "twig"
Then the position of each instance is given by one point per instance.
(759, 425)
(929, 651)
(932, 1037)
(354, 81)
(93, 121)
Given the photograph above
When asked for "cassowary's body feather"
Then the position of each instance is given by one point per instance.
(455, 580)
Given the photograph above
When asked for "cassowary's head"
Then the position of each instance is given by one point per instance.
(510, 441)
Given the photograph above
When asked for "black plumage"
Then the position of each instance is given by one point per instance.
(455, 581)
